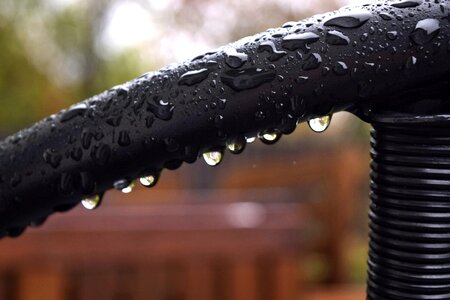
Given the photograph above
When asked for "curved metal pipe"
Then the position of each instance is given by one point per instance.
(362, 59)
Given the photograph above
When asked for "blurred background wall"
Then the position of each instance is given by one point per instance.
(309, 190)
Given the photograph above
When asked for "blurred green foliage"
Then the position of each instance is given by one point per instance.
(49, 59)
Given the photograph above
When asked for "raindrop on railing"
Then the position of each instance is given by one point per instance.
(269, 138)
(237, 146)
(320, 124)
(407, 3)
(250, 140)
(213, 158)
(124, 185)
(149, 180)
(425, 31)
(92, 202)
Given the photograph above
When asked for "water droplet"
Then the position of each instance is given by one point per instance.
(74, 111)
(162, 112)
(240, 80)
(122, 92)
(364, 37)
(92, 202)
(87, 182)
(86, 138)
(149, 180)
(250, 140)
(52, 157)
(237, 146)
(410, 65)
(100, 154)
(425, 31)
(76, 153)
(299, 41)
(312, 62)
(288, 124)
(66, 183)
(337, 38)
(235, 59)
(171, 145)
(149, 121)
(213, 158)
(301, 79)
(129, 188)
(392, 35)
(269, 46)
(114, 121)
(269, 137)
(190, 154)
(124, 138)
(193, 77)
(353, 19)
(340, 68)
(289, 24)
(173, 164)
(407, 3)
(320, 124)
(385, 16)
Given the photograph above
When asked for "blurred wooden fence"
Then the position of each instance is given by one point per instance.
(248, 249)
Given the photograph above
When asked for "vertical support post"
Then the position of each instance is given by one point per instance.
(409, 249)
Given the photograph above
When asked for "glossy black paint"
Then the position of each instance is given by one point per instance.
(364, 59)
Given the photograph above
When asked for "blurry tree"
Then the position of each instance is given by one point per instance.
(48, 59)
(52, 53)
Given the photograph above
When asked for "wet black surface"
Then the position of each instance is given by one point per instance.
(356, 59)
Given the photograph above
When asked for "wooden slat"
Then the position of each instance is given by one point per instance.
(337, 292)
(98, 284)
(198, 281)
(286, 277)
(150, 282)
(244, 285)
(3, 288)
(41, 283)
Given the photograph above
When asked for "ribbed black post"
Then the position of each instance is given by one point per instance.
(409, 255)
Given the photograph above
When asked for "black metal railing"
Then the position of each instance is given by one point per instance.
(372, 60)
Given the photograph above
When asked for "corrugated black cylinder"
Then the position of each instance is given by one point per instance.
(409, 255)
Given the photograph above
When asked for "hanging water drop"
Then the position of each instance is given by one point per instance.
(149, 180)
(124, 185)
(320, 124)
(128, 189)
(237, 146)
(213, 158)
(92, 202)
(269, 137)
(250, 140)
